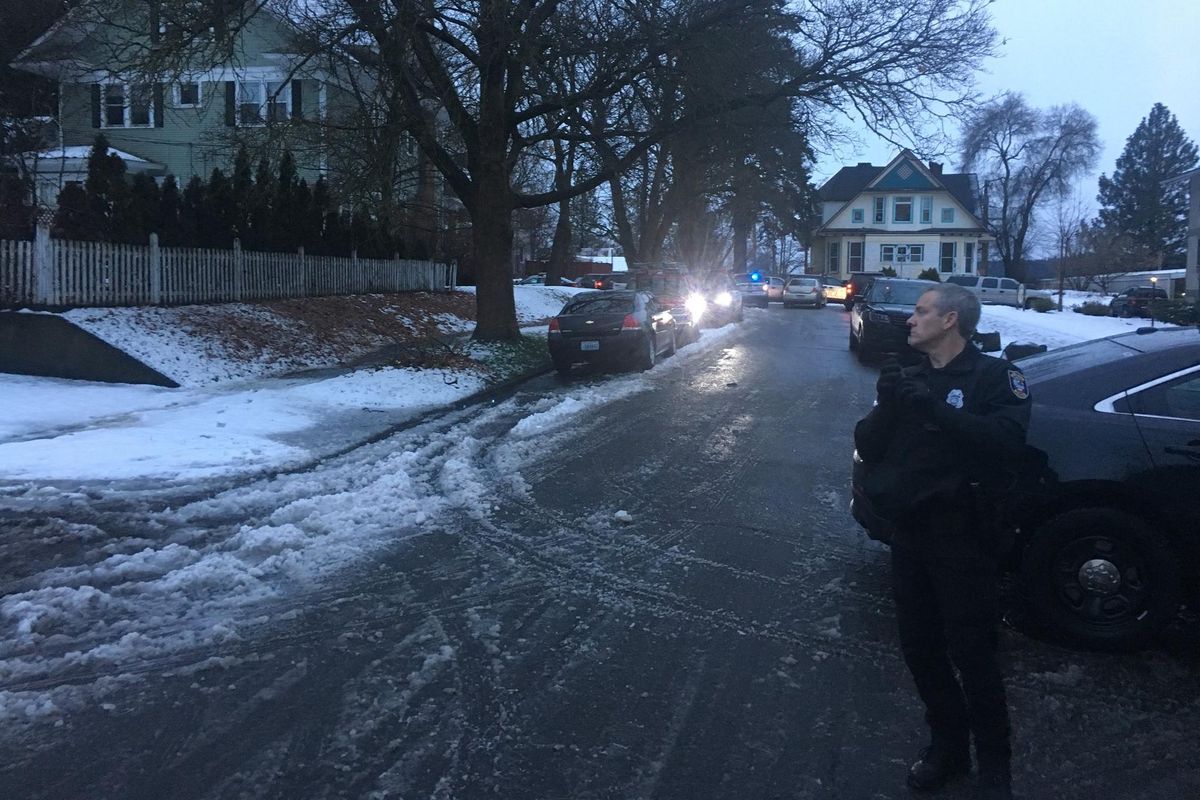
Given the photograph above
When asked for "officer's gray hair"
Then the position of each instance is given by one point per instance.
(952, 297)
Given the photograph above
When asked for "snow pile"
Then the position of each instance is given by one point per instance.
(1052, 328)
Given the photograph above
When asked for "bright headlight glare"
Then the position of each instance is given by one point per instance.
(696, 304)
(723, 299)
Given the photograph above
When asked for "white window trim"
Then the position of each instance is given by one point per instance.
(862, 255)
(948, 215)
(126, 97)
(1107, 405)
(969, 251)
(899, 257)
(177, 95)
(926, 206)
(833, 254)
(899, 201)
(879, 211)
(284, 97)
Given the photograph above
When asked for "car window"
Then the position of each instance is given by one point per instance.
(600, 304)
(802, 282)
(1008, 283)
(905, 294)
(1179, 398)
(962, 280)
(991, 283)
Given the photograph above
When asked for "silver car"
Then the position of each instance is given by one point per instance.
(803, 292)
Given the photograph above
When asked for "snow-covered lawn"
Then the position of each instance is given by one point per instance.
(1052, 328)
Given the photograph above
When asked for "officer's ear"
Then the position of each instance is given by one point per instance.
(950, 320)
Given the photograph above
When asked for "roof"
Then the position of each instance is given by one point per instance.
(849, 182)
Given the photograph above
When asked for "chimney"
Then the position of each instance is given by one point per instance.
(935, 168)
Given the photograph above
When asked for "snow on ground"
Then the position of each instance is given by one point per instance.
(1052, 328)
(200, 578)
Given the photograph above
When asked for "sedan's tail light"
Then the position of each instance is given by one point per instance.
(631, 323)
(554, 326)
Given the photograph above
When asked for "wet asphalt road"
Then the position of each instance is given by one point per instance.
(735, 640)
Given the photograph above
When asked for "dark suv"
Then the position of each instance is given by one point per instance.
(1136, 302)
(879, 318)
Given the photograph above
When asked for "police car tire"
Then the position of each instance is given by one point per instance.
(674, 344)
(648, 356)
(853, 342)
(1149, 568)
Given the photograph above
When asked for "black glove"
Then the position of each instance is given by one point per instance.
(889, 379)
(915, 397)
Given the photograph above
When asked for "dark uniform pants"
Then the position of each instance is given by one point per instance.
(944, 578)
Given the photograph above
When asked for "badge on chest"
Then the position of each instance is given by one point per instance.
(955, 398)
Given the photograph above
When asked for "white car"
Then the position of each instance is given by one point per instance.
(992, 291)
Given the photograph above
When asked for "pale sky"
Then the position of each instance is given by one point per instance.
(1115, 59)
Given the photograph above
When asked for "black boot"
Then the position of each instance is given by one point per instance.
(938, 764)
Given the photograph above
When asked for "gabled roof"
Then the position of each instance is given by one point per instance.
(904, 173)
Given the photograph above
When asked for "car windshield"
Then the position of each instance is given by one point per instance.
(745, 277)
(600, 304)
(802, 282)
(903, 294)
(668, 284)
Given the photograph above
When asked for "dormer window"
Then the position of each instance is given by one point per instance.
(902, 209)
(857, 215)
(947, 216)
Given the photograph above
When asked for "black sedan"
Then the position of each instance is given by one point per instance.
(616, 328)
(1101, 522)
(879, 317)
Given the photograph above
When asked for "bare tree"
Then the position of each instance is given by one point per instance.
(1025, 157)
(1070, 218)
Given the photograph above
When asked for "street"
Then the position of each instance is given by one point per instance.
(733, 639)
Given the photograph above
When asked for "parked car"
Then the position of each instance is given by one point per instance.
(1136, 302)
(856, 284)
(676, 290)
(803, 292)
(722, 300)
(834, 288)
(617, 327)
(879, 317)
(992, 290)
(754, 288)
(774, 288)
(540, 280)
(1101, 525)
(596, 280)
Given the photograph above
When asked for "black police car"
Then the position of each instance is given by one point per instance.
(1101, 523)
(879, 317)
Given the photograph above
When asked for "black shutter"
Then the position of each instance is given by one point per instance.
(158, 105)
(230, 103)
(297, 99)
(95, 105)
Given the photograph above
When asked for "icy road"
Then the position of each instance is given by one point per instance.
(458, 610)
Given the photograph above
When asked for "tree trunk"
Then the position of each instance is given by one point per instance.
(492, 242)
(560, 250)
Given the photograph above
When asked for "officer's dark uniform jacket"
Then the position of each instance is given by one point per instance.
(976, 433)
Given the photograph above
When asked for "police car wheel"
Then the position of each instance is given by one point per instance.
(853, 342)
(1101, 578)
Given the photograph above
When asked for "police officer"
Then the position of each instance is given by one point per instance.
(941, 433)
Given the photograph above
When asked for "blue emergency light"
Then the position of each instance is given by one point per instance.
(756, 276)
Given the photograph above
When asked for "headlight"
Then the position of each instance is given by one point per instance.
(695, 304)
(723, 299)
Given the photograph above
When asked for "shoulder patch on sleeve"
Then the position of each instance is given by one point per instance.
(1016, 382)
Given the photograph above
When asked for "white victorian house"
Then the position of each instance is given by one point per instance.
(908, 216)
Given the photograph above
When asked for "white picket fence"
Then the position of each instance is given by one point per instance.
(54, 273)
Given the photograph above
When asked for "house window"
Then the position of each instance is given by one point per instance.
(832, 264)
(261, 101)
(926, 210)
(128, 105)
(947, 215)
(187, 94)
(854, 256)
(902, 253)
(902, 208)
(879, 205)
(949, 250)
(857, 215)
(968, 256)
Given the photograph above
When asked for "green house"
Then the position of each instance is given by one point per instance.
(179, 94)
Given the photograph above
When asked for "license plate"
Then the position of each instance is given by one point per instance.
(589, 345)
